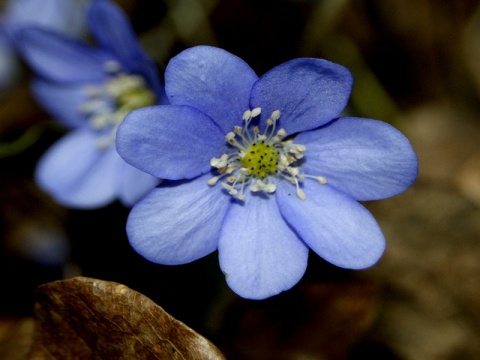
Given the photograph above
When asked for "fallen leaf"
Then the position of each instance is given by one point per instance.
(84, 318)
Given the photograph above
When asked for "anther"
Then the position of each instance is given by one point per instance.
(275, 115)
(301, 194)
(230, 188)
(219, 162)
(112, 66)
(255, 112)
(108, 103)
(260, 157)
(213, 181)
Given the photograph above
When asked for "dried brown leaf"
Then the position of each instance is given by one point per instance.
(84, 318)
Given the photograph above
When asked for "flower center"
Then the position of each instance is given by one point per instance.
(260, 160)
(257, 160)
(111, 101)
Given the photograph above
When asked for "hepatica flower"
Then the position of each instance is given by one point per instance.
(90, 90)
(261, 169)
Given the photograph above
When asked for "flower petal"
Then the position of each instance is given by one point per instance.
(259, 253)
(170, 142)
(77, 174)
(59, 58)
(333, 225)
(213, 81)
(62, 102)
(65, 16)
(308, 93)
(113, 31)
(366, 159)
(134, 184)
(178, 222)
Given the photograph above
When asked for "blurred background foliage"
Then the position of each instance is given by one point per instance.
(415, 64)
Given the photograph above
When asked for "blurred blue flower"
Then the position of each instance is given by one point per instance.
(262, 170)
(90, 90)
(66, 16)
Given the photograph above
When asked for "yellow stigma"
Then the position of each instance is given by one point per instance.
(136, 98)
(260, 159)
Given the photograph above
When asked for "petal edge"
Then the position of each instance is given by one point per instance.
(336, 227)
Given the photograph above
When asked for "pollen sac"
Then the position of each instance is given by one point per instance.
(260, 160)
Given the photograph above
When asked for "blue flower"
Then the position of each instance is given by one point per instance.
(66, 16)
(90, 90)
(261, 169)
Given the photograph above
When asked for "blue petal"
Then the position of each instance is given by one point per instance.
(178, 222)
(65, 16)
(62, 102)
(77, 174)
(114, 32)
(366, 159)
(308, 93)
(336, 227)
(58, 58)
(134, 184)
(259, 253)
(170, 142)
(213, 81)
(112, 29)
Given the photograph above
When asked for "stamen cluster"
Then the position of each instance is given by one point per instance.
(258, 158)
(111, 101)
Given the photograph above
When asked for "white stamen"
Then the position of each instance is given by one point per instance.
(275, 115)
(213, 181)
(112, 66)
(258, 185)
(250, 161)
(230, 137)
(292, 171)
(219, 162)
(255, 112)
(301, 194)
(228, 187)
(110, 102)
(99, 121)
